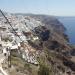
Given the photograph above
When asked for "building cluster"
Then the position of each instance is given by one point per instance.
(21, 31)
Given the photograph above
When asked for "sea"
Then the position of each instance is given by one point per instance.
(69, 23)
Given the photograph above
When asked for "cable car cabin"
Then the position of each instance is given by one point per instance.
(5, 52)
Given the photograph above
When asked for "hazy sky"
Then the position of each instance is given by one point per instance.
(50, 7)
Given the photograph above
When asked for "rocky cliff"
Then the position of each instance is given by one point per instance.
(45, 48)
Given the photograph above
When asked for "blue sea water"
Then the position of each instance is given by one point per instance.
(69, 23)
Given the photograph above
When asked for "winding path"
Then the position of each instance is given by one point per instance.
(2, 58)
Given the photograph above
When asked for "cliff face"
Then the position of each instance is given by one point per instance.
(50, 22)
(57, 29)
(47, 20)
(49, 50)
(56, 41)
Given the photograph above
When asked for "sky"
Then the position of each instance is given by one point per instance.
(49, 7)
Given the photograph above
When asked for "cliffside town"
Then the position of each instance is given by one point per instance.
(34, 43)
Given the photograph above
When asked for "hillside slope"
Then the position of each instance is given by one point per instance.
(42, 48)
